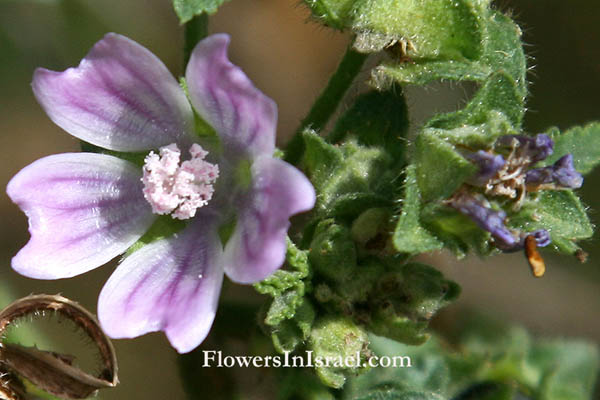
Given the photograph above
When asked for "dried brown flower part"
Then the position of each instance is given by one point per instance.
(47, 370)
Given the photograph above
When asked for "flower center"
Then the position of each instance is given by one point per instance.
(176, 189)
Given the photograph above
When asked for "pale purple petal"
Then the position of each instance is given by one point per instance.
(120, 97)
(244, 118)
(84, 209)
(258, 244)
(171, 285)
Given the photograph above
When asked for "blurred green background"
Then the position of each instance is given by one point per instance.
(290, 59)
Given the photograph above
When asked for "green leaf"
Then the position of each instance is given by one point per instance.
(290, 315)
(440, 169)
(410, 236)
(583, 142)
(376, 119)
(422, 369)
(568, 369)
(284, 306)
(286, 286)
(561, 214)
(188, 9)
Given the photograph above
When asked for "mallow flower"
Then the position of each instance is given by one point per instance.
(234, 197)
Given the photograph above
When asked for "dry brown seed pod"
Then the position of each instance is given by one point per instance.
(50, 371)
(536, 262)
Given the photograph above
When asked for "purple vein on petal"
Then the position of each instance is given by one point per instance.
(170, 285)
(84, 209)
(120, 97)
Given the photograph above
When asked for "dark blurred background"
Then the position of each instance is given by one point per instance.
(290, 59)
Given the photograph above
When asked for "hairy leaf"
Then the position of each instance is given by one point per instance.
(560, 213)
(188, 9)
(583, 142)
(410, 236)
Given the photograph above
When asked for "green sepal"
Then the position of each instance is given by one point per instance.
(499, 93)
(163, 227)
(500, 51)
(456, 231)
(443, 29)
(561, 214)
(475, 137)
(134, 158)
(583, 142)
(440, 169)
(188, 9)
(410, 236)
(425, 72)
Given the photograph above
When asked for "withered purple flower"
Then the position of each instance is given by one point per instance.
(512, 176)
(84, 208)
(486, 218)
(489, 164)
(534, 148)
(561, 174)
(492, 221)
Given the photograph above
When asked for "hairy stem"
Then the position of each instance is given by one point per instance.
(327, 102)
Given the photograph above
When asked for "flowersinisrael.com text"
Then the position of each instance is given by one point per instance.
(214, 358)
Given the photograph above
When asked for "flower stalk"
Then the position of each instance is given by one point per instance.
(328, 101)
(194, 31)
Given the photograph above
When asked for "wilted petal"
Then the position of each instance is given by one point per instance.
(565, 174)
(487, 219)
(542, 237)
(84, 209)
(171, 285)
(258, 244)
(561, 174)
(537, 147)
(120, 97)
(244, 118)
(488, 164)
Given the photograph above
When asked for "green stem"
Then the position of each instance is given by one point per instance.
(195, 30)
(327, 102)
